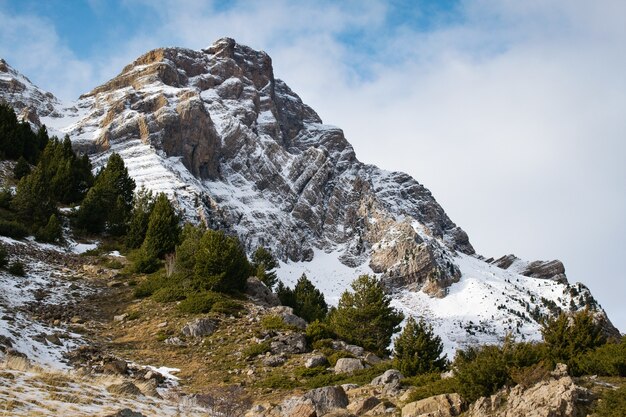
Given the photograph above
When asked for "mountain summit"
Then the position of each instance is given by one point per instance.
(235, 147)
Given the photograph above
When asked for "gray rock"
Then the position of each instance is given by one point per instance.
(315, 361)
(288, 343)
(298, 407)
(259, 292)
(174, 341)
(274, 360)
(326, 399)
(389, 381)
(286, 313)
(363, 405)
(372, 359)
(445, 405)
(348, 365)
(199, 328)
(355, 350)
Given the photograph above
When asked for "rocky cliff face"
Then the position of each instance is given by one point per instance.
(237, 148)
(264, 165)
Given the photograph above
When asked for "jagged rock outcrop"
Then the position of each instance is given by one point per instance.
(556, 397)
(263, 165)
(553, 270)
(29, 102)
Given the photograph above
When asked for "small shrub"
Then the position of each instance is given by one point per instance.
(530, 375)
(256, 350)
(4, 257)
(17, 268)
(277, 381)
(169, 294)
(227, 307)
(335, 356)
(145, 263)
(436, 386)
(133, 315)
(199, 303)
(5, 198)
(273, 322)
(13, 229)
(612, 403)
(148, 287)
(607, 360)
(113, 264)
(317, 331)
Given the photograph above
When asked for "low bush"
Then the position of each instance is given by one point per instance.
(606, 360)
(274, 322)
(144, 262)
(256, 350)
(227, 307)
(612, 403)
(317, 331)
(169, 294)
(17, 268)
(199, 303)
(4, 257)
(433, 384)
(13, 229)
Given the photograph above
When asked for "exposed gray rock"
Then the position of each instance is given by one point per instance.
(288, 343)
(389, 381)
(348, 365)
(445, 405)
(259, 292)
(559, 397)
(372, 359)
(363, 405)
(326, 399)
(126, 412)
(315, 361)
(286, 313)
(298, 407)
(199, 328)
(274, 360)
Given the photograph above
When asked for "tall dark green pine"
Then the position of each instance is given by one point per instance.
(21, 168)
(34, 202)
(264, 264)
(309, 301)
(418, 350)
(221, 263)
(365, 316)
(163, 228)
(138, 226)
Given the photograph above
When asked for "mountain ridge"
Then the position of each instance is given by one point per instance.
(237, 148)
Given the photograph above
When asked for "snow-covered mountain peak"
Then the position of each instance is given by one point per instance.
(236, 147)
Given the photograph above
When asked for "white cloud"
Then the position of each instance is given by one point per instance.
(514, 115)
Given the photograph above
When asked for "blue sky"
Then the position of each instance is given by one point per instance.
(513, 113)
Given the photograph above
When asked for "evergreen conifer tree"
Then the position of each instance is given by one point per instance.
(138, 226)
(52, 232)
(365, 317)
(21, 169)
(417, 349)
(221, 263)
(163, 229)
(264, 264)
(309, 301)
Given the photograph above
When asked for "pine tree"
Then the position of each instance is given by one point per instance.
(365, 317)
(221, 263)
(33, 202)
(568, 336)
(163, 229)
(108, 204)
(264, 264)
(52, 232)
(21, 169)
(138, 226)
(418, 350)
(310, 302)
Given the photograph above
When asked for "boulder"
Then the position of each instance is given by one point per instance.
(389, 381)
(382, 409)
(259, 292)
(286, 313)
(556, 397)
(274, 360)
(348, 365)
(116, 366)
(315, 361)
(298, 407)
(363, 405)
(372, 359)
(326, 399)
(288, 343)
(125, 388)
(445, 405)
(199, 328)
